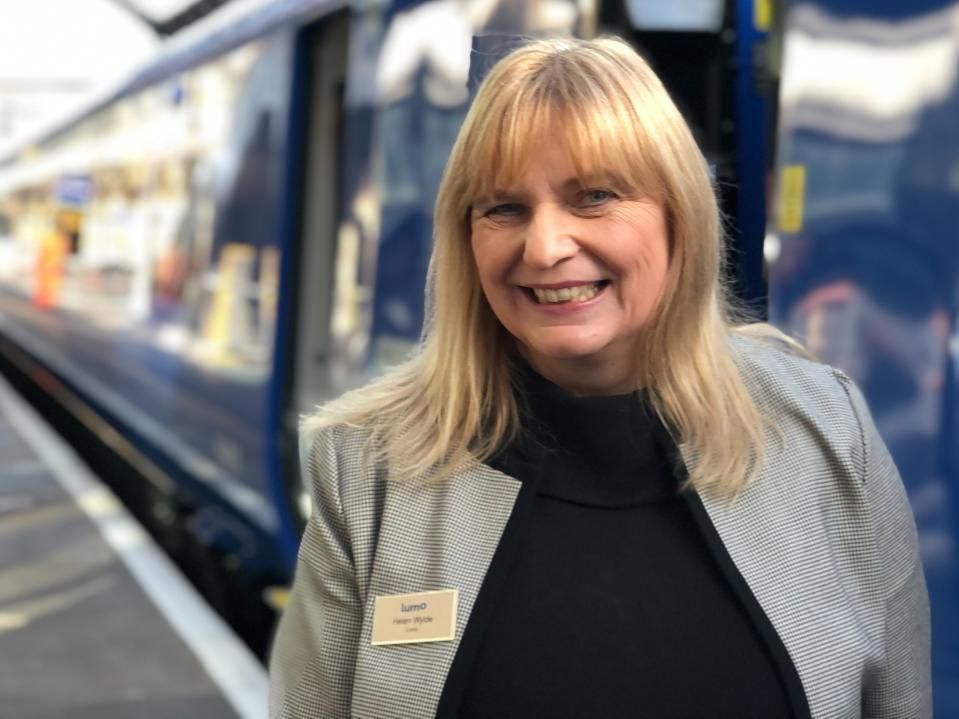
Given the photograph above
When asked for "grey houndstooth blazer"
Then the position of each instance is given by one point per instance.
(825, 540)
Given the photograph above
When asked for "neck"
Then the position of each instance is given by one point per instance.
(587, 376)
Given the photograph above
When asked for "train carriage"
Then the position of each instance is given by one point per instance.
(242, 229)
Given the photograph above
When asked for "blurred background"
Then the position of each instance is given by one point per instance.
(215, 214)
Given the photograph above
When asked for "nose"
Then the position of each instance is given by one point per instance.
(549, 239)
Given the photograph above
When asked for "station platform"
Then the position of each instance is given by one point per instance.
(95, 621)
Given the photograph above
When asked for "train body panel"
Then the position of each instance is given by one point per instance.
(863, 251)
(154, 291)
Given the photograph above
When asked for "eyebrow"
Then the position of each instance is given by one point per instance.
(510, 195)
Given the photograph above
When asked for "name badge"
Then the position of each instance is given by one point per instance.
(413, 618)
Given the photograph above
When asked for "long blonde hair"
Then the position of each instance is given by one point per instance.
(452, 403)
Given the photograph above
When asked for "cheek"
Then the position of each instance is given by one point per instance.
(659, 268)
(492, 261)
(648, 273)
(482, 263)
(657, 271)
(487, 280)
(477, 248)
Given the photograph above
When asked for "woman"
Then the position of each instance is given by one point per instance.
(590, 493)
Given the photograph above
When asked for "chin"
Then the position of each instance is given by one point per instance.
(569, 348)
(568, 353)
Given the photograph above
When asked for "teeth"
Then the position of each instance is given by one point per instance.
(579, 293)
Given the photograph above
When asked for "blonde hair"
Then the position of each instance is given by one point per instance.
(452, 403)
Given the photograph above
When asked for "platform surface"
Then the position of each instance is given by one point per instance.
(95, 622)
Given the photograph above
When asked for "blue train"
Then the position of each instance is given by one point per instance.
(242, 229)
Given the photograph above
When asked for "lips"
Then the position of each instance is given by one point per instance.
(566, 292)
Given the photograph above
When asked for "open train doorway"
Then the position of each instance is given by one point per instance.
(323, 62)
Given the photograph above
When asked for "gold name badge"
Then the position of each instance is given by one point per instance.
(412, 618)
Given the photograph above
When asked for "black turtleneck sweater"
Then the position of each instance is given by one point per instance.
(610, 594)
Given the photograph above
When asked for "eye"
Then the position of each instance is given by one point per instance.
(594, 197)
(505, 210)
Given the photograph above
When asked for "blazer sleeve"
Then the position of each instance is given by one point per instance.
(314, 649)
(902, 685)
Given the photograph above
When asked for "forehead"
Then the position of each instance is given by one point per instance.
(548, 164)
(565, 144)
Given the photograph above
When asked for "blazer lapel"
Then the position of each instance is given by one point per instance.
(778, 537)
(433, 536)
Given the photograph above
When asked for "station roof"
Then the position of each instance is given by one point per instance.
(55, 64)
(166, 17)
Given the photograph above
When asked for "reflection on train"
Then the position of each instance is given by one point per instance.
(865, 244)
(243, 228)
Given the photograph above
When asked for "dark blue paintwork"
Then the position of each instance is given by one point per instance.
(288, 532)
(752, 117)
(870, 279)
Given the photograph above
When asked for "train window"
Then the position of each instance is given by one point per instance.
(689, 15)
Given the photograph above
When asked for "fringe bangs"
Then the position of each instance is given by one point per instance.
(596, 120)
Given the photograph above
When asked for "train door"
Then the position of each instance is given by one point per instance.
(322, 150)
(315, 171)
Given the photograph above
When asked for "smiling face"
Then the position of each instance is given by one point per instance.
(572, 269)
